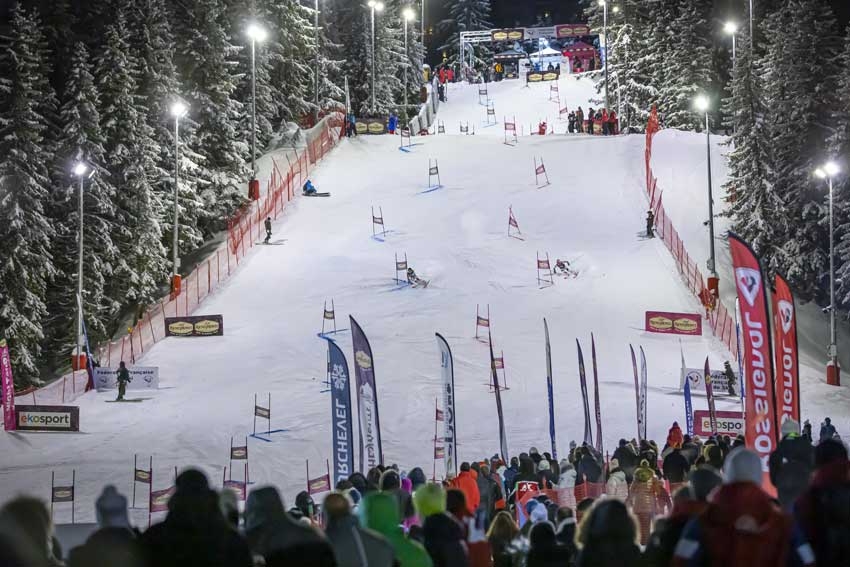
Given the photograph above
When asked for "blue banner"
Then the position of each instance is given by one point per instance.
(368, 421)
(503, 439)
(549, 392)
(342, 437)
(447, 368)
(588, 435)
(689, 408)
(643, 401)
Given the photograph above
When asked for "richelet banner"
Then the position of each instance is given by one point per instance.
(787, 383)
(447, 370)
(588, 435)
(760, 426)
(596, 395)
(367, 400)
(549, 391)
(7, 387)
(342, 439)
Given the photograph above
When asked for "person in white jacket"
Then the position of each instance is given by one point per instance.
(616, 487)
(568, 475)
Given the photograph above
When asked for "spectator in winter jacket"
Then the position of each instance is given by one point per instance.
(115, 543)
(503, 531)
(807, 430)
(392, 124)
(823, 511)
(26, 525)
(510, 474)
(613, 125)
(272, 533)
(391, 483)
(467, 483)
(791, 464)
(543, 548)
(627, 458)
(417, 478)
(353, 544)
(616, 487)
(647, 499)
(565, 530)
(583, 507)
(443, 534)
(604, 120)
(675, 467)
(589, 469)
(379, 512)
(690, 450)
(827, 430)
(544, 474)
(568, 475)
(675, 437)
(742, 527)
(608, 536)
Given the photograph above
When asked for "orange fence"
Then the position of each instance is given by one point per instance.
(243, 229)
(720, 320)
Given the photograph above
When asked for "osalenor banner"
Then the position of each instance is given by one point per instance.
(787, 383)
(596, 395)
(447, 372)
(550, 392)
(588, 435)
(342, 438)
(141, 378)
(503, 438)
(719, 382)
(642, 417)
(368, 419)
(194, 326)
(729, 423)
(7, 387)
(47, 418)
(637, 388)
(673, 323)
(760, 407)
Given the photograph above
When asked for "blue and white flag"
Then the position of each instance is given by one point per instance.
(447, 370)
(550, 392)
(367, 400)
(342, 437)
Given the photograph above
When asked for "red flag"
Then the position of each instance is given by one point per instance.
(760, 420)
(787, 382)
(440, 415)
(319, 485)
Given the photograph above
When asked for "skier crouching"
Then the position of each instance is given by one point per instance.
(308, 188)
(412, 278)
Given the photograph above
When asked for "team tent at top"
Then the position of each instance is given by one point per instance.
(510, 55)
(546, 56)
(581, 51)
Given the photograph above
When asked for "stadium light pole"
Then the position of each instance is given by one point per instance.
(178, 111)
(422, 28)
(731, 28)
(256, 34)
(316, 25)
(604, 5)
(374, 6)
(703, 104)
(407, 15)
(828, 171)
(81, 169)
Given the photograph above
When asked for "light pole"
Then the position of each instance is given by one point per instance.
(316, 24)
(703, 104)
(731, 28)
(828, 171)
(256, 34)
(407, 15)
(375, 6)
(752, 37)
(80, 170)
(423, 28)
(178, 111)
(604, 5)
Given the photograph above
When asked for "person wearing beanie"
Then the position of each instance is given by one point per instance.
(647, 499)
(675, 466)
(742, 527)
(791, 463)
(391, 482)
(535, 455)
(545, 478)
(822, 509)
(115, 543)
(443, 534)
(379, 512)
(467, 483)
(675, 439)
(617, 486)
(607, 536)
(543, 547)
(353, 544)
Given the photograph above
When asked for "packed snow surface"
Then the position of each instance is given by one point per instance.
(592, 214)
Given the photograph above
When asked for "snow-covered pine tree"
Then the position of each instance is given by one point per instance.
(25, 230)
(389, 58)
(81, 139)
(331, 61)
(840, 146)
(131, 155)
(350, 28)
(414, 60)
(465, 15)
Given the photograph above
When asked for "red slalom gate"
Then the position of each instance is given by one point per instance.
(510, 132)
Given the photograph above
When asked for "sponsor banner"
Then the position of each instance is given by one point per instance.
(262, 412)
(571, 30)
(588, 435)
(371, 125)
(239, 453)
(642, 402)
(62, 494)
(728, 423)
(689, 417)
(760, 427)
(709, 394)
(447, 372)
(637, 387)
(596, 395)
(673, 323)
(141, 378)
(367, 400)
(787, 383)
(537, 33)
(141, 475)
(719, 382)
(47, 418)
(237, 486)
(342, 439)
(319, 485)
(7, 387)
(159, 499)
(550, 392)
(515, 34)
(542, 76)
(194, 326)
(503, 438)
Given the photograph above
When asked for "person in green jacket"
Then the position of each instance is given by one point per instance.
(379, 512)
(123, 379)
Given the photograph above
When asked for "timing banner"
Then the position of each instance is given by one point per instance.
(343, 436)
(194, 326)
(367, 400)
(673, 323)
(787, 383)
(449, 417)
(141, 378)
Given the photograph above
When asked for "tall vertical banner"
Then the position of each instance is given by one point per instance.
(503, 439)
(588, 436)
(689, 406)
(596, 395)
(709, 394)
(342, 439)
(643, 387)
(447, 370)
(367, 400)
(787, 382)
(637, 388)
(760, 419)
(7, 387)
(549, 391)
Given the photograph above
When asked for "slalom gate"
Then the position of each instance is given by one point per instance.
(554, 93)
(499, 364)
(563, 113)
(433, 171)
(721, 321)
(441, 127)
(464, 129)
(320, 484)
(264, 412)
(401, 266)
(483, 95)
(545, 277)
(329, 316)
(238, 453)
(540, 171)
(513, 225)
(158, 500)
(378, 220)
(143, 476)
(405, 135)
(510, 132)
(491, 112)
(481, 322)
(63, 493)
(245, 228)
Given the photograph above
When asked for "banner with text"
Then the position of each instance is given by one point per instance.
(141, 378)
(7, 387)
(47, 418)
(673, 323)
(787, 381)
(503, 438)
(719, 382)
(194, 326)
(728, 423)
(447, 371)
(367, 400)
(549, 391)
(582, 376)
(343, 437)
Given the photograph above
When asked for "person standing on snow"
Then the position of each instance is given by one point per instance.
(268, 225)
(123, 380)
(650, 224)
(827, 430)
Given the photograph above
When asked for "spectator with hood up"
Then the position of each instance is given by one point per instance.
(379, 512)
(354, 546)
(443, 533)
(608, 536)
(115, 542)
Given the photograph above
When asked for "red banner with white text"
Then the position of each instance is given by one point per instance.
(787, 382)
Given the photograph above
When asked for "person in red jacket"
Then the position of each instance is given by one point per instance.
(443, 75)
(613, 125)
(605, 122)
(467, 482)
(451, 75)
(742, 526)
(675, 437)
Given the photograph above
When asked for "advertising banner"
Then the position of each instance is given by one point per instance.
(7, 387)
(549, 391)
(760, 427)
(571, 30)
(367, 400)
(449, 415)
(503, 439)
(543, 76)
(728, 423)
(787, 381)
(596, 395)
(719, 382)
(642, 417)
(194, 326)
(47, 418)
(637, 387)
(515, 34)
(342, 438)
(141, 378)
(673, 323)
(371, 125)
(588, 435)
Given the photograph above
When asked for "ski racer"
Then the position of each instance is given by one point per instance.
(308, 188)
(412, 278)
(563, 266)
(650, 224)
(268, 225)
(123, 380)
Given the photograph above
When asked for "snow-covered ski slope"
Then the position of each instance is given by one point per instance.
(592, 215)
